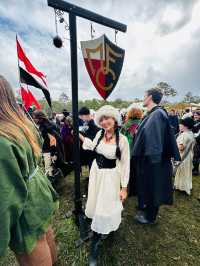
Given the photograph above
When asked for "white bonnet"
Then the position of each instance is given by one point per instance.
(107, 110)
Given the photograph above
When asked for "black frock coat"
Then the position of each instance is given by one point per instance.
(153, 150)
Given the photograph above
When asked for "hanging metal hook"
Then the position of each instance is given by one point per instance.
(66, 26)
(57, 41)
(116, 31)
(92, 30)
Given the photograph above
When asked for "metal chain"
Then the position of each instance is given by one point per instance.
(59, 12)
(56, 25)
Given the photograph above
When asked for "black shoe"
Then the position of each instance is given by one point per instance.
(195, 173)
(92, 261)
(139, 214)
(141, 219)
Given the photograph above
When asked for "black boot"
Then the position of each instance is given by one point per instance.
(85, 227)
(94, 251)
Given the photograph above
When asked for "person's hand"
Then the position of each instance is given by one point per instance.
(181, 147)
(52, 140)
(123, 194)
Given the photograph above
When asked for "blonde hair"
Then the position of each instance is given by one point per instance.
(68, 120)
(14, 125)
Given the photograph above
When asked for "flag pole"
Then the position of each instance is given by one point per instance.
(20, 86)
(25, 76)
(19, 75)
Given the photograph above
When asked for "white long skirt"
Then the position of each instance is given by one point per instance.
(183, 178)
(103, 204)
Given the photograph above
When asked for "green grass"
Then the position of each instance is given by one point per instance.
(174, 240)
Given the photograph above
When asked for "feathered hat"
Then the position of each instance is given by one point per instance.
(109, 111)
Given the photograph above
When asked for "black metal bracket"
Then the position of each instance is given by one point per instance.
(84, 13)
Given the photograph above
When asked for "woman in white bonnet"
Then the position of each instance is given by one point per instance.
(109, 176)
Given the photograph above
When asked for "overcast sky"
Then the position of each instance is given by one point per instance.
(162, 44)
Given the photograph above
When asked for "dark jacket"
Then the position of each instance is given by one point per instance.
(173, 120)
(154, 147)
(196, 129)
(86, 156)
(47, 127)
(92, 130)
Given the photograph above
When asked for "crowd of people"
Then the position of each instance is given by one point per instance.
(136, 154)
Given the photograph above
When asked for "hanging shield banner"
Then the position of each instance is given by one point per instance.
(104, 61)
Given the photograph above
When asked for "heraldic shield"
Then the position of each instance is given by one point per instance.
(104, 61)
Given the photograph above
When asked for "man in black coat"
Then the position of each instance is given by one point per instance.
(196, 131)
(153, 149)
(174, 122)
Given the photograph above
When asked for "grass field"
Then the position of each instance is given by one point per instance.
(174, 240)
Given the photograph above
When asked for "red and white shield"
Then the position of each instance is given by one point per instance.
(104, 61)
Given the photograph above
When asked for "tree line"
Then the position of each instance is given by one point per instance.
(64, 101)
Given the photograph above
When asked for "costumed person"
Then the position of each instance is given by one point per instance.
(89, 130)
(154, 147)
(196, 131)
(55, 120)
(109, 176)
(173, 120)
(187, 113)
(27, 199)
(65, 113)
(132, 121)
(52, 149)
(185, 141)
(67, 138)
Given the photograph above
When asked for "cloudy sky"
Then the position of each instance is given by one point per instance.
(162, 44)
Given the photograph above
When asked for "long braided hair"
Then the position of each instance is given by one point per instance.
(118, 151)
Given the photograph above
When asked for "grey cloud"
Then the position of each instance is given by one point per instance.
(184, 73)
(185, 7)
(35, 21)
